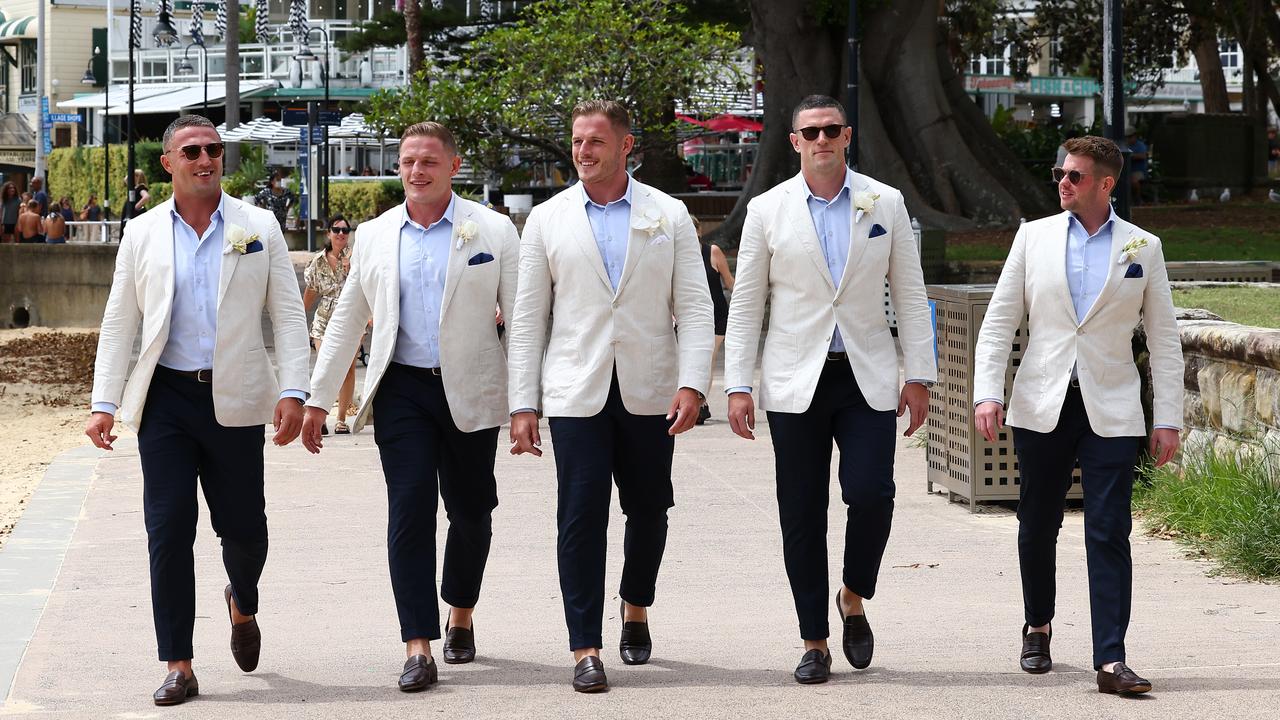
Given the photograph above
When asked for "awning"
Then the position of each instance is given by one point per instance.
(726, 123)
(152, 98)
(11, 31)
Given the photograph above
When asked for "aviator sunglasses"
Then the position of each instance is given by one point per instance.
(1073, 176)
(192, 152)
(811, 133)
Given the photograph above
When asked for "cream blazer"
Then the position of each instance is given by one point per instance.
(473, 361)
(1034, 284)
(781, 260)
(245, 388)
(570, 328)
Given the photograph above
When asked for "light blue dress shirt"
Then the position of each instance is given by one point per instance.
(424, 262)
(193, 319)
(611, 226)
(1088, 262)
(833, 221)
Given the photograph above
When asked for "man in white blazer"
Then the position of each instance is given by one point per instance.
(1084, 279)
(196, 272)
(430, 273)
(819, 248)
(604, 267)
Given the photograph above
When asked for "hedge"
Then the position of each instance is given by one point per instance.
(78, 172)
(364, 200)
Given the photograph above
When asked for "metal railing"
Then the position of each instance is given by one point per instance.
(99, 231)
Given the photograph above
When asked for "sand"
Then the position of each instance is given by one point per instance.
(45, 379)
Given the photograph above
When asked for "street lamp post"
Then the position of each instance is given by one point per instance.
(164, 34)
(306, 56)
(185, 68)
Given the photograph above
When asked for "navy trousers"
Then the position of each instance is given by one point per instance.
(424, 457)
(179, 441)
(593, 453)
(802, 456)
(1107, 471)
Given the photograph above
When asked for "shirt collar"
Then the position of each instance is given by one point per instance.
(626, 196)
(447, 217)
(218, 212)
(1073, 221)
(846, 188)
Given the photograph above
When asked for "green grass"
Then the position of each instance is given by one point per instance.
(1224, 505)
(1237, 303)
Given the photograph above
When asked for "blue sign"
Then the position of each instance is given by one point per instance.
(317, 135)
(64, 117)
(294, 117)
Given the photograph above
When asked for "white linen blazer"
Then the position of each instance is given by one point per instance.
(473, 361)
(1034, 284)
(570, 328)
(245, 388)
(781, 260)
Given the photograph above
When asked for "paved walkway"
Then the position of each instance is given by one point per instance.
(946, 619)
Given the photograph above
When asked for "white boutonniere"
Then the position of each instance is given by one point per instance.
(1130, 249)
(467, 232)
(238, 239)
(865, 201)
(650, 222)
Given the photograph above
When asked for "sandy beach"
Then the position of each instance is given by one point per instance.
(45, 378)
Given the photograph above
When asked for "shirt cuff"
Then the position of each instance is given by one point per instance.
(523, 410)
(298, 395)
(1166, 427)
(919, 381)
(739, 389)
(976, 403)
(106, 407)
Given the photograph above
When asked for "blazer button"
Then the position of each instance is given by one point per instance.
(1079, 331)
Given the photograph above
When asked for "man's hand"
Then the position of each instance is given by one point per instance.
(312, 437)
(915, 397)
(989, 418)
(1164, 445)
(684, 410)
(742, 415)
(287, 421)
(524, 434)
(99, 429)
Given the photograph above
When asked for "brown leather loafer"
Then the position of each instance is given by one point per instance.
(1122, 682)
(814, 668)
(588, 675)
(246, 638)
(460, 644)
(1035, 651)
(176, 689)
(419, 674)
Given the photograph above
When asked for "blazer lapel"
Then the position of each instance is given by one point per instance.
(160, 247)
(462, 212)
(1054, 260)
(859, 235)
(232, 215)
(802, 223)
(638, 237)
(583, 236)
(1120, 234)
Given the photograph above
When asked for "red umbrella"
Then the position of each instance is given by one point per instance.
(726, 123)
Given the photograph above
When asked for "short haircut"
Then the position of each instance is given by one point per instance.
(1105, 153)
(36, 182)
(615, 111)
(430, 128)
(33, 205)
(817, 102)
(184, 121)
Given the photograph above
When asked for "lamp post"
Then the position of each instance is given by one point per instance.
(164, 34)
(185, 68)
(307, 55)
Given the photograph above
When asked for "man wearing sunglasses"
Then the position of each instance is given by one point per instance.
(430, 273)
(820, 248)
(1083, 279)
(197, 273)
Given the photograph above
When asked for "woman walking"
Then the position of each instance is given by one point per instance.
(324, 277)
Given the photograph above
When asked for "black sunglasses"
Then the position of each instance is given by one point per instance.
(811, 133)
(339, 230)
(192, 152)
(1073, 176)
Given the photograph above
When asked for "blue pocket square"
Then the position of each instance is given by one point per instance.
(877, 230)
(253, 247)
(1134, 271)
(480, 259)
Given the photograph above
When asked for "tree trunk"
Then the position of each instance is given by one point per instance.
(413, 37)
(918, 131)
(662, 167)
(1213, 84)
(1267, 86)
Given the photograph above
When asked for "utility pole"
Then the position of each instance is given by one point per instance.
(1113, 96)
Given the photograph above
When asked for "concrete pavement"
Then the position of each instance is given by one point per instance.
(947, 617)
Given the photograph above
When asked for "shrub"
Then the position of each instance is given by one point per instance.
(363, 200)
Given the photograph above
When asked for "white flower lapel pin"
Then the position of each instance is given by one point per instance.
(238, 239)
(650, 222)
(865, 201)
(467, 232)
(1131, 248)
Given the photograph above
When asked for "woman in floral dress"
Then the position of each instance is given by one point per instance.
(324, 277)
